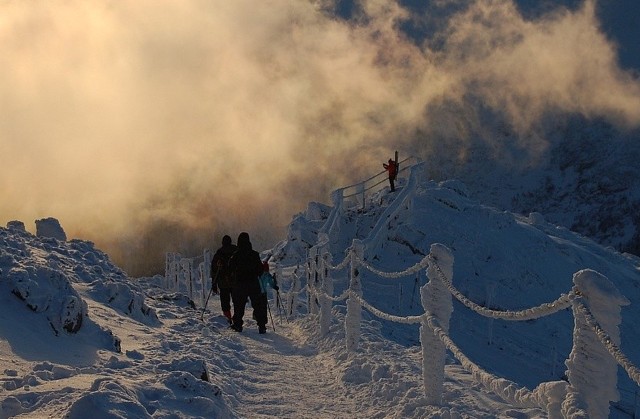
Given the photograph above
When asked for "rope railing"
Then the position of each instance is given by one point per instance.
(545, 309)
(340, 266)
(360, 186)
(508, 390)
(381, 314)
(359, 191)
(409, 271)
(558, 398)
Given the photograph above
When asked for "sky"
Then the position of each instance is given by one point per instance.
(141, 349)
(158, 125)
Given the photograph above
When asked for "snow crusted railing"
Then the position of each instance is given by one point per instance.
(592, 364)
(358, 191)
(183, 275)
(404, 200)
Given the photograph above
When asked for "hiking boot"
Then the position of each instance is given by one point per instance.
(227, 314)
(262, 329)
(236, 327)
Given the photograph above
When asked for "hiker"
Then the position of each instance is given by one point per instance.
(392, 168)
(245, 266)
(221, 275)
(266, 281)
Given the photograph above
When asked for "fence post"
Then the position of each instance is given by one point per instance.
(292, 296)
(591, 370)
(314, 309)
(208, 257)
(338, 202)
(172, 271)
(354, 309)
(167, 270)
(325, 301)
(437, 302)
(203, 282)
(360, 189)
(176, 272)
(309, 269)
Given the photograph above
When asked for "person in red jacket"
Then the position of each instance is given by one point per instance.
(392, 168)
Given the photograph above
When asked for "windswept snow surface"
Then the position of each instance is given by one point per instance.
(143, 352)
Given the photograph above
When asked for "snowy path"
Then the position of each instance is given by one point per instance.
(285, 374)
(283, 377)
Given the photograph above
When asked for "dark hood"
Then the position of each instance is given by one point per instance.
(243, 241)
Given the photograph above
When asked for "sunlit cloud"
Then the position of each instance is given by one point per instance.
(180, 121)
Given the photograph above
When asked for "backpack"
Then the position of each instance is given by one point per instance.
(220, 271)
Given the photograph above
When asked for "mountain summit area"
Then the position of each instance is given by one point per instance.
(78, 336)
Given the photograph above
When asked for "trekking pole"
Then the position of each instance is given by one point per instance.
(280, 306)
(269, 310)
(209, 296)
(205, 305)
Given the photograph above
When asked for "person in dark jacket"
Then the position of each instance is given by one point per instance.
(246, 267)
(221, 275)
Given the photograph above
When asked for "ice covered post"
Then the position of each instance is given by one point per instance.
(208, 257)
(202, 282)
(326, 284)
(315, 280)
(186, 271)
(168, 269)
(354, 309)
(292, 295)
(360, 189)
(205, 275)
(337, 197)
(309, 272)
(172, 271)
(592, 370)
(437, 302)
(325, 300)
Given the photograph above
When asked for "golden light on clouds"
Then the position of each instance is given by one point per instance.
(179, 121)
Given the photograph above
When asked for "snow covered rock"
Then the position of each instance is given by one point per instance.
(50, 227)
(45, 290)
(50, 276)
(126, 298)
(16, 225)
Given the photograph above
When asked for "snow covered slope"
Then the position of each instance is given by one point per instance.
(502, 260)
(142, 351)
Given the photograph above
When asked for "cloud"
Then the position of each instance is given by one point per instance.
(561, 61)
(174, 122)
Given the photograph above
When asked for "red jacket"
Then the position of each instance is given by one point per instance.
(391, 168)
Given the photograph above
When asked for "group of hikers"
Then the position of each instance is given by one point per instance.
(238, 274)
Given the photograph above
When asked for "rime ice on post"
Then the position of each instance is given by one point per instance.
(50, 227)
(326, 282)
(592, 370)
(314, 307)
(437, 301)
(354, 309)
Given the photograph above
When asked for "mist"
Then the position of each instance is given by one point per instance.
(156, 126)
